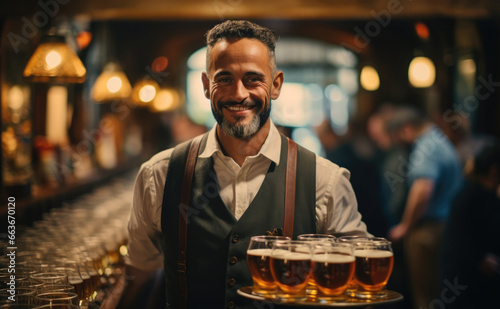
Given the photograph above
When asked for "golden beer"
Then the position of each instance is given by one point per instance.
(333, 273)
(290, 270)
(373, 268)
(258, 259)
(258, 262)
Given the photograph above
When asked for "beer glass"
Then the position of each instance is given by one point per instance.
(51, 298)
(74, 278)
(291, 268)
(258, 256)
(333, 269)
(311, 289)
(50, 277)
(352, 239)
(374, 262)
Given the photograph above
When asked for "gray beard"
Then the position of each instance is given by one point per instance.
(242, 131)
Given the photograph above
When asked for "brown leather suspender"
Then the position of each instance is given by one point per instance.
(185, 199)
(291, 164)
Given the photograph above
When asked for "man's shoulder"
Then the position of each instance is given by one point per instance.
(159, 160)
(162, 158)
(327, 167)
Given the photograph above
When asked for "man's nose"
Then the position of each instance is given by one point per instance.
(239, 91)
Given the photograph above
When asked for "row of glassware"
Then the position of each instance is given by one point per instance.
(73, 256)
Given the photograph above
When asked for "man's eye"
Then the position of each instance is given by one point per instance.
(253, 79)
(223, 80)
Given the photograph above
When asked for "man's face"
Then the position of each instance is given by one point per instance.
(240, 86)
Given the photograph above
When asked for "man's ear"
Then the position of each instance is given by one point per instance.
(278, 79)
(206, 84)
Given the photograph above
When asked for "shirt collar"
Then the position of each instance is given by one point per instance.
(268, 149)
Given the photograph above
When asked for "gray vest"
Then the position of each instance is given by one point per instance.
(216, 241)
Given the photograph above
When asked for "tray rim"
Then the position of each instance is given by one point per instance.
(394, 297)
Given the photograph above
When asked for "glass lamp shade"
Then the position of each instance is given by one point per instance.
(54, 61)
(111, 85)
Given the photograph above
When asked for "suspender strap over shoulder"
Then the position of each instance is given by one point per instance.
(185, 200)
(291, 168)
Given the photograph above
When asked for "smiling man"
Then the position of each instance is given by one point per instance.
(247, 179)
(240, 81)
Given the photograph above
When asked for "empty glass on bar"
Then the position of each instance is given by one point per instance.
(51, 298)
(258, 258)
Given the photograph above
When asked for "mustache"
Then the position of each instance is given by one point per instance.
(246, 102)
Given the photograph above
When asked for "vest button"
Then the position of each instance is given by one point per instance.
(236, 238)
(233, 260)
(230, 304)
(231, 282)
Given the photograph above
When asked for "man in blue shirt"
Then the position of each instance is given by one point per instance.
(434, 175)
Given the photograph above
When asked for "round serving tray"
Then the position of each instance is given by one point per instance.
(391, 297)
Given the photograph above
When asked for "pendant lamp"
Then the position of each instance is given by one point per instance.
(54, 61)
(111, 85)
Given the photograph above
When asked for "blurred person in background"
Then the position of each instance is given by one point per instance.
(394, 188)
(357, 153)
(471, 248)
(238, 184)
(393, 191)
(434, 176)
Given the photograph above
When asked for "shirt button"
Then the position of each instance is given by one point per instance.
(230, 304)
(233, 260)
(236, 238)
(231, 282)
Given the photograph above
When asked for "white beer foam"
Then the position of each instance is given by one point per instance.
(372, 253)
(287, 255)
(260, 252)
(336, 258)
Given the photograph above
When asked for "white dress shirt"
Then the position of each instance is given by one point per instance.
(336, 206)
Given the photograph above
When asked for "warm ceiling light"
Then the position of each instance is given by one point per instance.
(421, 72)
(111, 85)
(167, 99)
(144, 91)
(147, 93)
(369, 78)
(114, 84)
(54, 61)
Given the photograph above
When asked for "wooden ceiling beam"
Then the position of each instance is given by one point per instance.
(253, 9)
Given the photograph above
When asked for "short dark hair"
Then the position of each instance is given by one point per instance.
(239, 29)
